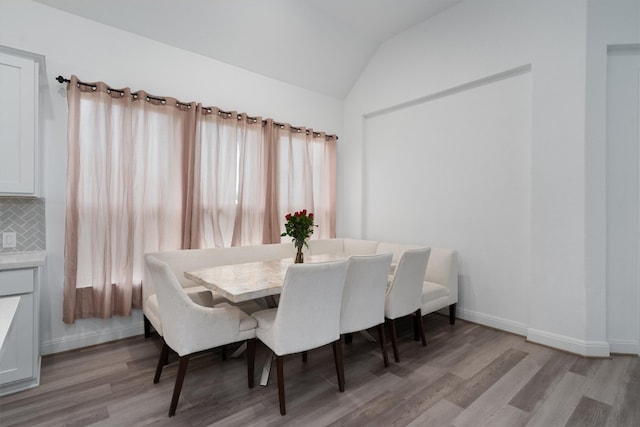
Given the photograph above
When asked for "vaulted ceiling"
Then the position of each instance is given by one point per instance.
(320, 45)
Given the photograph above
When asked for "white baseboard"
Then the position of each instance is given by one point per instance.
(624, 347)
(561, 342)
(87, 339)
(572, 345)
(492, 321)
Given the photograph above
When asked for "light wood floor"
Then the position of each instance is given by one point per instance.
(468, 375)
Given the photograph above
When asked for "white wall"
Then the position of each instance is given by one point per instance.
(95, 52)
(455, 177)
(612, 287)
(467, 43)
(623, 139)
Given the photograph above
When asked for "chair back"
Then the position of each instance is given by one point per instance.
(404, 296)
(308, 313)
(364, 292)
(188, 327)
(171, 297)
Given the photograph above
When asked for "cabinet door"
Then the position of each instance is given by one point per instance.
(18, 125)
(16, 356)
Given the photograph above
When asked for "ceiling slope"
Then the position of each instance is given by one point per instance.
(320, 45)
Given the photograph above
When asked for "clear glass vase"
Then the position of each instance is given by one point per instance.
(299, 255)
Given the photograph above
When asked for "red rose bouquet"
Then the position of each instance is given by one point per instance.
(299, 227)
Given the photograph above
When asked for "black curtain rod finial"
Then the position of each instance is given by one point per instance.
(61, 79)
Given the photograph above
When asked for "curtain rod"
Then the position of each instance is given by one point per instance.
(62, 80)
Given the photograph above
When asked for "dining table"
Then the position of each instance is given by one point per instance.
(260, 280)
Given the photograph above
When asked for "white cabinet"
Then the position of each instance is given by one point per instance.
(19, 320)
(19, 122)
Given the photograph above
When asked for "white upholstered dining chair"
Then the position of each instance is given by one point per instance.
(307, 317)
(404, 295)
(363, 296)
(189, 328)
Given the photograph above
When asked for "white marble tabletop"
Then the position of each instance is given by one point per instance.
(243, 282)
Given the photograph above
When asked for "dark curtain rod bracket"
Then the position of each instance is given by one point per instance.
(62, 80)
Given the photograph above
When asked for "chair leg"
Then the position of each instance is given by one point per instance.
(251, 358)
(337, 358)
(147, 327)
(452, 314)
(416, 329)
(391, 326)
(280, 367)
(418, 319)
(165, 359)
(177, 388)
(304, 356)
(223, 353)
(162, 360)
(385, 358)
(348, 338)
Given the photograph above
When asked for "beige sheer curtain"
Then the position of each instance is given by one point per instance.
(323, 159)
(229, 176)
(125, 194)
(148, 174)
(305, 171)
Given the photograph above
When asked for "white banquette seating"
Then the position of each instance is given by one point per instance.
(440, 287)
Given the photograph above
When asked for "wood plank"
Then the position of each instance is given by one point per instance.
(471, 389)
(378, 411)
(427, 397)
(440, 414)
(586, 366)
(538, 353)
(507, 416)
(60, 406)
(492, 402)
(85, 417)
(542, 382)
(558, 405)
(626, 407)
(484, 354)
(351, 401)
(604, 385)
(589, 413)
(242, 417)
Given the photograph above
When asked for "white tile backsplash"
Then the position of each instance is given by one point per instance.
(25, 217)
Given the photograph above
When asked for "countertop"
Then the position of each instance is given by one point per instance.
(10, 260)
